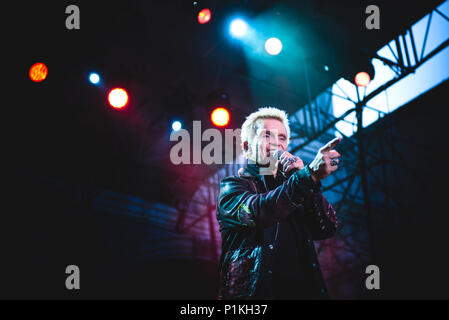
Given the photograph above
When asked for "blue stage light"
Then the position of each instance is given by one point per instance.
(94, 78)
(238, 28)
(176, 125)
(273, 46)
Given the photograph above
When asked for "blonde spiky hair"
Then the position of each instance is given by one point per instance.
(255, 121)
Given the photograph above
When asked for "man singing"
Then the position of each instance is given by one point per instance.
(269, 215)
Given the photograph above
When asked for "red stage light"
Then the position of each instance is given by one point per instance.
(204, 16)
(220, 117)
(38, 72)
(118, 98)
(362, 79)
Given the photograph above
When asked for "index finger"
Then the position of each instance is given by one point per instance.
(331, 144)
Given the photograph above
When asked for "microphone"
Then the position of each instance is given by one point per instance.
(277, 154)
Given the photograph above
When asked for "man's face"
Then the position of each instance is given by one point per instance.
(269, 138)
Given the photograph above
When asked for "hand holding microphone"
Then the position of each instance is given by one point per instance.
(287, 163)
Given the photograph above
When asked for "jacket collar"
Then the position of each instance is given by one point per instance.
(252, 170)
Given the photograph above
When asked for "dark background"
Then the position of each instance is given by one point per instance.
(64, 145)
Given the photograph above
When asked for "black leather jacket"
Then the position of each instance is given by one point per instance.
(249, 217)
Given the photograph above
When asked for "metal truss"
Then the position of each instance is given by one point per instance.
(360, 188)
(197, 215)
(316, 120)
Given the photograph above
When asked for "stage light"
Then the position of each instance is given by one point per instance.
(360, 71)
(273, 46)
(220, 117)
(118, 98)
(204, 16)
(326, 68)
(238, 28)
(38, 72)
(362, 79)
(94, 78)
(176, 125)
